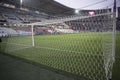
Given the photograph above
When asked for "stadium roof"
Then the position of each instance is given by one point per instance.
(47, 6)
(89, 4)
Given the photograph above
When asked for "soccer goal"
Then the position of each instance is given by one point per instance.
(15, 37)
(83, 45)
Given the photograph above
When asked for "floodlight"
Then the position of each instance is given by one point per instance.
(76, 11)
(21, 1)
(91, 13)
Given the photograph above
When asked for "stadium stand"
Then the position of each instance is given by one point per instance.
(17, 16)
(18, 22)
(2, 20)
(5, 32)
(11, 18)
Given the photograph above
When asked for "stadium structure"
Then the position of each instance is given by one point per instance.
(53, 35)
(118, 19)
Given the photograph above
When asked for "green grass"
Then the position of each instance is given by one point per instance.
(116, 68)
(80, 54)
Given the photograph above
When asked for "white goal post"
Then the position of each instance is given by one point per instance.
(81, 45)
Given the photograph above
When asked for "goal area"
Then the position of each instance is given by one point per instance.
(83, 45)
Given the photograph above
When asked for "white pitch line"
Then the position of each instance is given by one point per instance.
(17, 49)
(56, 49)
(67, 51)
(16, 44)
(26, 46)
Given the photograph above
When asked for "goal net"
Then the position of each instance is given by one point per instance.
(15, 37)
(81, 44)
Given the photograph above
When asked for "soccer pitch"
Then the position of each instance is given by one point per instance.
(80, 54)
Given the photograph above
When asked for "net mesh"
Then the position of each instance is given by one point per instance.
(15, 37)
(80, 44)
